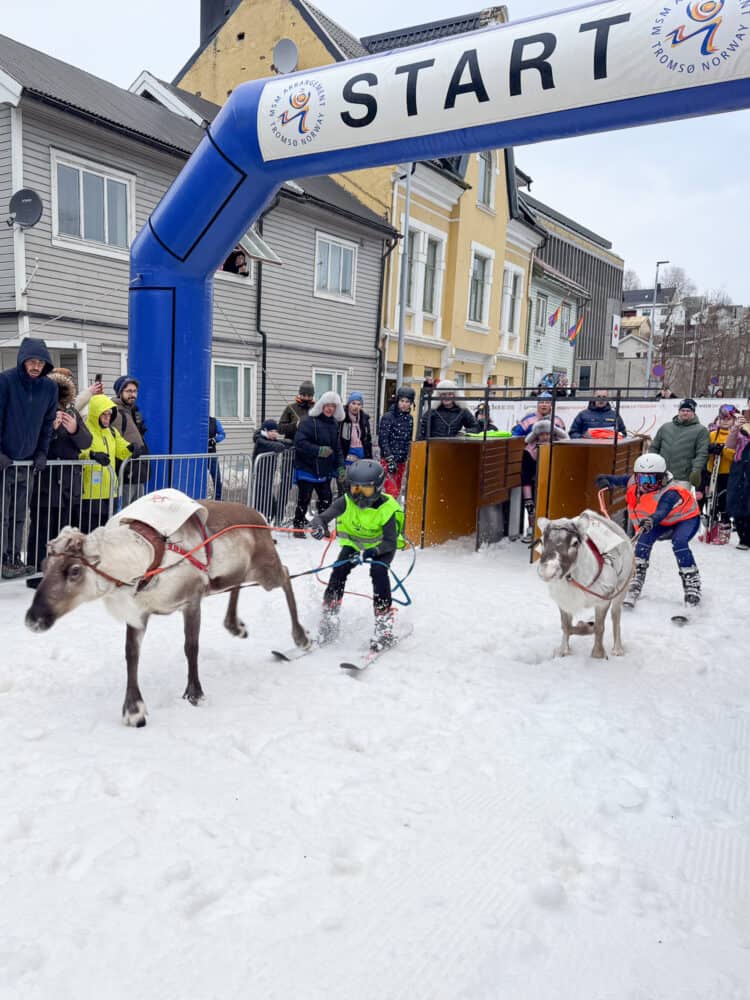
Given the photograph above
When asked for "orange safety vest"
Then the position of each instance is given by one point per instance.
(645, 504)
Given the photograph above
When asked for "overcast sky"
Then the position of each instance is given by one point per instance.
(673, 192)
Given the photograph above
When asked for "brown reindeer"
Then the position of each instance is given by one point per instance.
(139, 573)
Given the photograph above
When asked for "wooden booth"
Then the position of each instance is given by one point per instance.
(452, 481)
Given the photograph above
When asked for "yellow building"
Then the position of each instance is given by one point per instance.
(469, 244)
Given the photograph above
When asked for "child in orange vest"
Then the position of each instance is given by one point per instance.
(659, 507)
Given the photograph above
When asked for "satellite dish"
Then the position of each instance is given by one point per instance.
(285, 56)
(25, 208)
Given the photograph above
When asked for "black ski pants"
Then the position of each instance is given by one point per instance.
(380, 576)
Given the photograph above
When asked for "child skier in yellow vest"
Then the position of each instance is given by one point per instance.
(369, 524)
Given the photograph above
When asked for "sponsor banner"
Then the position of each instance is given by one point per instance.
(584, 57)
(615, 331)
(639, 417)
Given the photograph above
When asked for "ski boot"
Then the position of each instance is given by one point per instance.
(530, 507)
(328, 629)
(382, 636)
(636, 584)
(691, 585)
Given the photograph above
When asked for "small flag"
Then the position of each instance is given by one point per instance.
(574, 331)
(555, 315)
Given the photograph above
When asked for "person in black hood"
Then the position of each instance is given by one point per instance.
(268, 441)
(28, 403)
(56, 497)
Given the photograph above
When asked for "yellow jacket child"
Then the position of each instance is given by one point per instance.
(107, 445)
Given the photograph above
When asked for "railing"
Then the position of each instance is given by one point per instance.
(36, 506)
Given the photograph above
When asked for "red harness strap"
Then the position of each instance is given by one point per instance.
(600, 566)
(188, 555)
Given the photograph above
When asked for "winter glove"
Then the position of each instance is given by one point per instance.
(715, 449)
(341, 475)
(317, 528)
(369, 554)
(5, 462)
(602, 483)
(392, 464)
(695, 478)
(40, 463)
(646, 525)
(354, 559)
(324, 451)
(100, 456)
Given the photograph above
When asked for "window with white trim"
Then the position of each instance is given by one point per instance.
(542, 312)
(485, 183)
(480, 285)
(566, 313)
(329, 380)
(335, 268)
(510, 318)
(431, 265)
(233, 391)
(411, 243)
(92, 205)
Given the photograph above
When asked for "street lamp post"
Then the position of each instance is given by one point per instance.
(650, 355)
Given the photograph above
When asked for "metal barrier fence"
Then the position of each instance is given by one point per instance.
(274, 493)
(36, 506)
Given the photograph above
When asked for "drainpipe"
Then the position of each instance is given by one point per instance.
(259, 313)
(390, 247)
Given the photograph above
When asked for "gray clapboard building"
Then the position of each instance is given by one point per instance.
(100, 158)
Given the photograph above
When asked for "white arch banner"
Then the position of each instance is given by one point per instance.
(596, 55)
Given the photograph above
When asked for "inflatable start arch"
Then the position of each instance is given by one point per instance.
(589, 69)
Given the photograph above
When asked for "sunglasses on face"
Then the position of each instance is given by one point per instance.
(365, 491)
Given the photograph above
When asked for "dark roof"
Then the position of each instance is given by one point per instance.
(350, 46)
(58, 83)
(645, 296)
(326, 192)
(206, 109)
(576, 227)
(417, 34)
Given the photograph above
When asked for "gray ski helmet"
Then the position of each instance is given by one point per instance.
(405, 392)
(365, 472)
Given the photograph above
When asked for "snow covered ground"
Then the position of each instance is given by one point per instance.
(472, 819)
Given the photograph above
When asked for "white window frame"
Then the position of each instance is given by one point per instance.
(565, 326)
(321, 236)
(417, 264)
(478, 250)
(437, 285)
(510, 326)
(57, 158)
(487, 206)
(338, 376)
(242, 367)
(537, 300)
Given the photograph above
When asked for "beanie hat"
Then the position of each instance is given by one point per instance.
(355, 396)
(545, 395)
(124, 380)
(269, 425)
(688, 404)
(306, 389)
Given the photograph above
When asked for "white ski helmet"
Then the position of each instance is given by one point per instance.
(650, 463)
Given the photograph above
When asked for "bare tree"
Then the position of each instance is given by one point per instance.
(630, 280)
(677, 278)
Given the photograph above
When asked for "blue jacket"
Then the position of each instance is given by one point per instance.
(27, 405)
(596, 416)
(395, 433)
(311, 434)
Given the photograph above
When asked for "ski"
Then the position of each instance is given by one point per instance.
(368, 658)
(711, 533)
(295, 652)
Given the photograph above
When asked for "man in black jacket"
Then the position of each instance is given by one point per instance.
(318, 457)
(28, 403)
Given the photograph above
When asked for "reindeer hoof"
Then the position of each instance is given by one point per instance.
(561, 651)
(618, 651)
(193, 695)
(134, 715)
(598, 654)
(238, 629)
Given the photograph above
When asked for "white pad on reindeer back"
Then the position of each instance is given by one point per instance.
(604, 534)
(166, 510)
